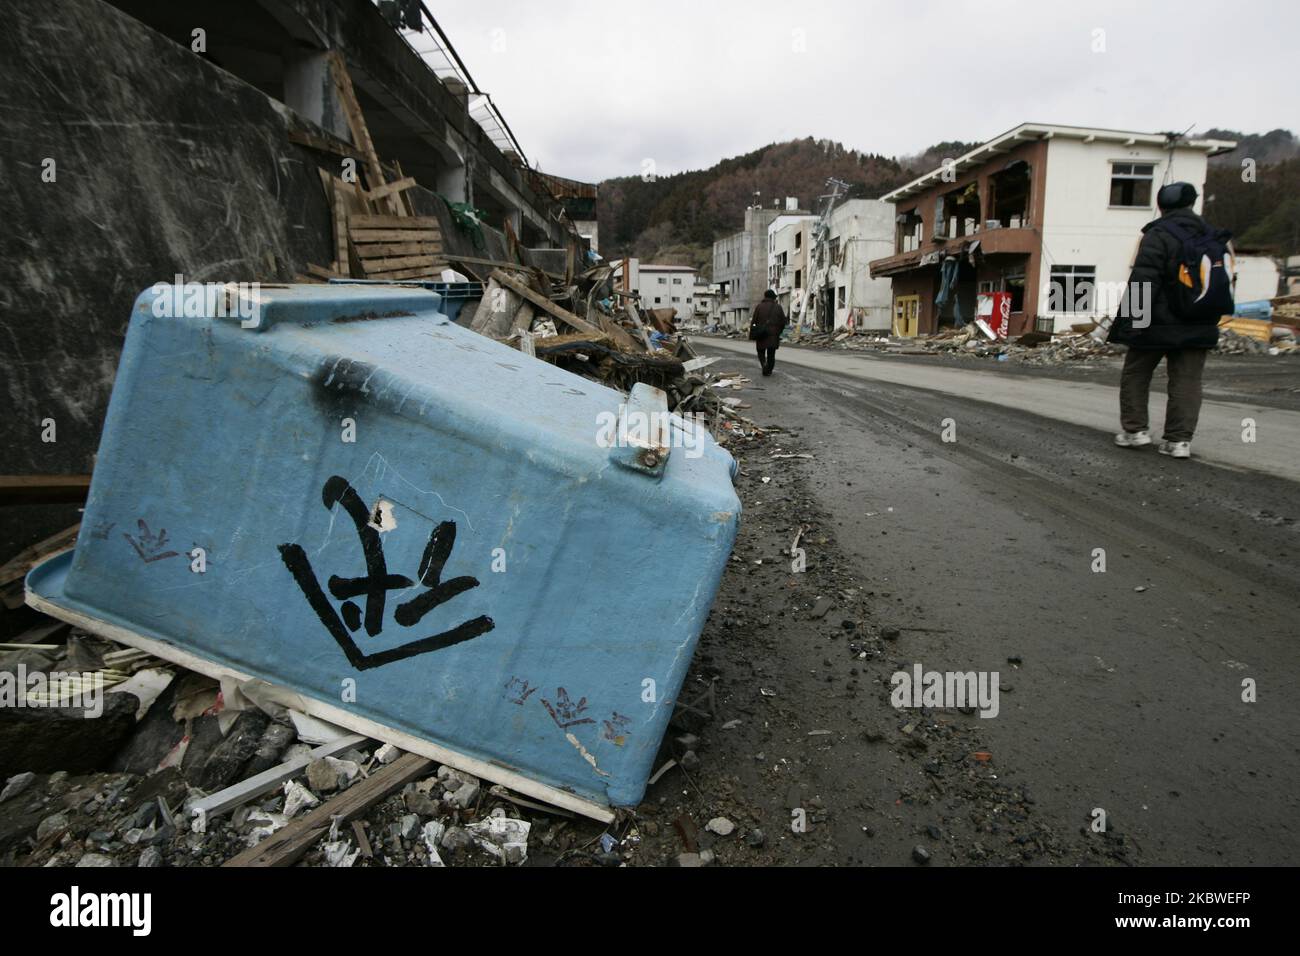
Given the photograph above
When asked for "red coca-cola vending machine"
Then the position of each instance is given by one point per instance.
(993, 313)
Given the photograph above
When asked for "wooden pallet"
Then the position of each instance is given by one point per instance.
(397, 247)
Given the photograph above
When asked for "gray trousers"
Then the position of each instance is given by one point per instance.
(1183, 407)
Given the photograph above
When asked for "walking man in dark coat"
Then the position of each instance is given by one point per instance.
(1149, 324)
(765, 328)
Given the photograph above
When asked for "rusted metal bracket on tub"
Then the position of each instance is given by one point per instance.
(644, 434)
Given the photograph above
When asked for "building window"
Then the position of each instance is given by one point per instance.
(728, 258)
(1072, 289)
(908, 234)
(840, 299)
(956, 213)
(835, 249)
(1009, 199)
(1130, 184)
(677, 282)
(798, 241)
(798, 278)
(677, 298)
(657, 300)
(663, 280)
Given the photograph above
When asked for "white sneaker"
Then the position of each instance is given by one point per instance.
(1133, 439)
(1176, 449)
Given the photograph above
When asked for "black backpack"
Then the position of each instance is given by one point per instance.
(1201, 291)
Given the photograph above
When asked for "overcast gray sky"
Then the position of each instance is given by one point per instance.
(593, 89)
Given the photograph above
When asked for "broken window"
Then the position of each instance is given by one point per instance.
(957, 213)
(1130, 184)
(1009, 196)
(798, 241)
(840, 299)
(798, 278)
(1072, 289)
(908, 231)
(835, 249)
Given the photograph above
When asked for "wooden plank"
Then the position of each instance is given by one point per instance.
(287, 846)
(634, 314)
(402, 262)
(43, 489)
(321, 272)
(554, 342)
(382, 250)
(17, 567)
(620, 335)
(524, 316)
(423, 273)
(371, 236)
(512, 241)
(395, 222)
(359, 828)
(326, 145)
(408, 204)
(357, 124)
(340, 229)
(545, 304)
(390, 189)
(501, 264)
(240, 793)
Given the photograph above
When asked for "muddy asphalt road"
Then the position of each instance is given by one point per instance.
(1120, 689)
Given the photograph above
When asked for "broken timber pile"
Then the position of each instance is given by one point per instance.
(581, 323)
(374, 233)
(181, 769)
(396, 247)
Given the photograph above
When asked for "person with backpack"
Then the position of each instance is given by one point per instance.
(765, 328)
(1180, 286)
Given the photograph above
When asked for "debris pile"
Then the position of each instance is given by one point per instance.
(1235, 343)
(585, 325)
(180, 770)
(1032, 348)
(1083, 344)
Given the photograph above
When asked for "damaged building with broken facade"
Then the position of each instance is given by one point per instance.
(1037, 207)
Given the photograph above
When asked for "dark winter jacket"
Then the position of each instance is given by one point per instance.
(767, 324)
(1158, 257)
